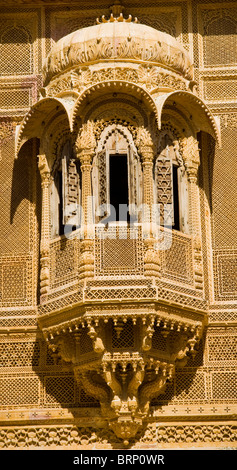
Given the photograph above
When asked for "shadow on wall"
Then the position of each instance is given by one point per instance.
(209, 155)
(186, 385)
(25, 194)
(26, 179)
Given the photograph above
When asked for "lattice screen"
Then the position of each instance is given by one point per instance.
(223, 50)
(119, 251)
(16, 52)
(177, 262)
(64, 262)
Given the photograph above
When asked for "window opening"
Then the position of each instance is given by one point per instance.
(118, 181)
(175, 187)
(59, 209)
(65, 195)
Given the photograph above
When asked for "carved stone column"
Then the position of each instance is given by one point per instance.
(191, 159)
(45, 236)
(146, 149)
(85, 147)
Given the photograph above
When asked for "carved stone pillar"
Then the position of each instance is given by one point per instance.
(146, 149)
(85, 147)
(45, 236)
(191, 159)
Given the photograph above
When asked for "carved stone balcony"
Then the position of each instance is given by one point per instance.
(121, 307)
(125, 330)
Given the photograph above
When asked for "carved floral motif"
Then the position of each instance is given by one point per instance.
(98, 49)
(150, 77)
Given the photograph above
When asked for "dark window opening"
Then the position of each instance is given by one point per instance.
(175, 225)
(60, 204)
(118, 180)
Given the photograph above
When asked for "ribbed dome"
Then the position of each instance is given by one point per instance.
(117, 42)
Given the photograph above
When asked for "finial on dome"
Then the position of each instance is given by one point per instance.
(116, 15)
(117, 8)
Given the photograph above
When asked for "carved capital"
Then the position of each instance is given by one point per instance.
(44, 170)
(85, 144)
(43, 165)
(145, 145)
(191, 157)
(85, 157)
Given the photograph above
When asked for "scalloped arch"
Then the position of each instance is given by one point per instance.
(110, 129)
(100, 89)
(194, 108)
(40, 114)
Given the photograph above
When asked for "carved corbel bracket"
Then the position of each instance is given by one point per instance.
(147, 331)
(157, 374)
(95, 333)
(125, 381)
(65, 340)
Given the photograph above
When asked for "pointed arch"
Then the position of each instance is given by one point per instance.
(106, 148)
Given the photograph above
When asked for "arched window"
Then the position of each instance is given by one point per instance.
(116, 176)
(220, 42)
(16, 52)
(65, 193)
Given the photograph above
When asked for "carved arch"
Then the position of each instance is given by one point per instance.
(105, 87)
(106, 146)
(193, 108)
(39, 117)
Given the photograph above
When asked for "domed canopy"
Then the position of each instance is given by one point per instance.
(117, 41)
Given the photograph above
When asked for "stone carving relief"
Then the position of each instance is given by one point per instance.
(102, 49)
(125, 381)
(105, 103)
(150, 77)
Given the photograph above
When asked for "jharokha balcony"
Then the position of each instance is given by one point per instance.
(121, 136)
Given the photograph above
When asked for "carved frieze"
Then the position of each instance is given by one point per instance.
(149, 76)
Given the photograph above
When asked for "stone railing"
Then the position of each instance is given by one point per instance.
(121, 252)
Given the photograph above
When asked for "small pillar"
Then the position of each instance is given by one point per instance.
(44, 242)
(85, 147)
